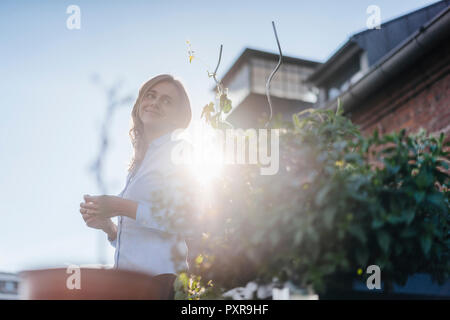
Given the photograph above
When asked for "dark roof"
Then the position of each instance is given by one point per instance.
(429, 37)
(379, 42)
(249, 53)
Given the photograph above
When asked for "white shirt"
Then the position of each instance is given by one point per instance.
(144, 244)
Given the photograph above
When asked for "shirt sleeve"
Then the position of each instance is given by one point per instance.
(113, 242)
(171, 206)
(168, 208)
(147, 217)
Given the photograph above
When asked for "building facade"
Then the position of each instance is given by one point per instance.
(392, 78)
(246, 83)
(396, 77)
(9, 286)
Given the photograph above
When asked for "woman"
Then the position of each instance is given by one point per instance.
(142, 244)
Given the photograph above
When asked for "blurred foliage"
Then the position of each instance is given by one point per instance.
(340, 202)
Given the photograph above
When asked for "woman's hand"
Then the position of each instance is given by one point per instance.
(96, 222)
(104, 224)
(108, 206)
(100, 206)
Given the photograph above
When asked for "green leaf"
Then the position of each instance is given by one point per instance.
(298, 237)
(419, 196)
(441, 138)
(377, 223)
(181, 284)
(296, 120)
(425, 243)
(310, 110)
(408, 233)
(321, 195)
(328, 218)
(395, 218)
(207, 110)
(362, 255)
(398, 249)
(384, 240)
(225, 103)
(223, 97)
(409, 215)
(199, 259)
(358, 232)
(339, 109)
(392, 169)
(180, 295)
(227, 106)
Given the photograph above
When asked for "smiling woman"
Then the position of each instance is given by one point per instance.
(149, 110)
(142, 243)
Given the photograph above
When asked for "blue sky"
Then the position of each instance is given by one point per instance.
(51, 110)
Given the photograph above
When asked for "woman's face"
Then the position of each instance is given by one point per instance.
(159, 108)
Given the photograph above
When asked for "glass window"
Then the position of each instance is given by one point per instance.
(239, 86)
(333, 93)
(9, 286)
(343, 77)
(288, 82)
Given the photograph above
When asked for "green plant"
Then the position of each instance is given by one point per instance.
(340, 202)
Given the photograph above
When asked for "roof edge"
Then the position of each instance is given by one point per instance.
(396, 60)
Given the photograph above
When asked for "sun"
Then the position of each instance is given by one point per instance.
(207, 159)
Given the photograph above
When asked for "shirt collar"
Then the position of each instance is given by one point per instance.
(161, 140)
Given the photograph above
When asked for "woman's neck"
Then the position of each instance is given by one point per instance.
(151, 135)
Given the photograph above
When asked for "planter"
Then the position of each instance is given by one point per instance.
(103, 284)
(418, 287)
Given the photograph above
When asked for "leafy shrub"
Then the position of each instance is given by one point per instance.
(340, 202)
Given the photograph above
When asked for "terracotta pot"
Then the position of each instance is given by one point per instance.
(104, 284)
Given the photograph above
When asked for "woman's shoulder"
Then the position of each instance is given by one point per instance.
(168, 156)
(178, 151)
(176, 145)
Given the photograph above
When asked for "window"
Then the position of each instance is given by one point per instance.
(333, 93)
(288, 82)
(9, 286)
(350, 73)
(239, 86)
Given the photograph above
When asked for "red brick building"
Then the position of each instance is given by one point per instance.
(417, 98)
(394, 77)
(390, 78)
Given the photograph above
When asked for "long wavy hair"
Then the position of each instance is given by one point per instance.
(140, 146)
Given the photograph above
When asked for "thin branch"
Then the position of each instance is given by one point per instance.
(114, 102)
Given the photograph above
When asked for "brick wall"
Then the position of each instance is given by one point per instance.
(418, 98)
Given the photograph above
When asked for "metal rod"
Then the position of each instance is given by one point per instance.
(219, 84)
(220, 57)
(280, 61)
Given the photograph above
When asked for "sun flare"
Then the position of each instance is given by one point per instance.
(207, 158)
